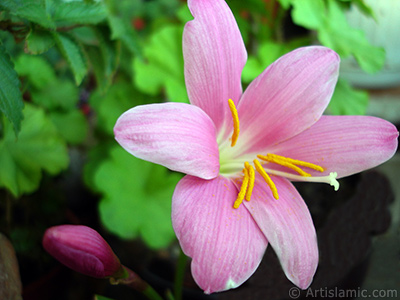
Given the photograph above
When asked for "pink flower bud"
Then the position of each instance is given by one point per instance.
(82, 249)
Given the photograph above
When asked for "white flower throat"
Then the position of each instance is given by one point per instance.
(260, 164)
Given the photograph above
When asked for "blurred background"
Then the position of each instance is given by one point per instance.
(69, 69)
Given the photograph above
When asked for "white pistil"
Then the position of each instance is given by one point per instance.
(330, 179)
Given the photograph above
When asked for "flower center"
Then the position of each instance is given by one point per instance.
(247, 186)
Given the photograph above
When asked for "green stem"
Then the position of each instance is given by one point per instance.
(179, 275)
(132, 280)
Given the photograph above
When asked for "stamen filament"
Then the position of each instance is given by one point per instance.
(243, 189)
(330, 179)
(267, 179)
(252, 177)
(283, 163)
(235, 118)
(295, 162)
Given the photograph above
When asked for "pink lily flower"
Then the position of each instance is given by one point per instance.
(241, 151)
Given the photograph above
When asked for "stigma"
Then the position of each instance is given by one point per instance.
(261, 164)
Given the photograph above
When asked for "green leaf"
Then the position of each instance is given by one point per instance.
(11, 103)
(37, 70)
(104, 59)
(122, 30)
(267, 53)
(348, 101)
(99, 297)
(338, 35)
(58, 94)
(308, 13)
(71, 13)
(72, 125)
(38, 41)
(34, 12)
(73, 54)
(328, 18)
(163, 65)
(137, 198)
(119, 98)
(38, 147)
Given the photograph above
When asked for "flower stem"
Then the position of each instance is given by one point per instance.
(132, 280)
(179, 275)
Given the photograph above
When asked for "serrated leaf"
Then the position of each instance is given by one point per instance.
(137, 198)
(70, 13)
(38, 41)
(72, 125)
(38, 147)
(37, 70)
(11, 103)
(347, 100)
(34, 12)
(73, 54)
(163, 65)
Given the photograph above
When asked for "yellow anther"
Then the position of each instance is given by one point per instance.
(235, 118)
(283, 163)
(267, 179)
(252, 177)
(298, 162)
(243, 189)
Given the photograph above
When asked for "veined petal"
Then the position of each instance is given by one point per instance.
(214, 55)
(288, 97)
(288, 226)
(343, 144)
(178, 136)
(225, 244)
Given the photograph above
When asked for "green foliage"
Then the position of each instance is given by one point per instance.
(163, 65)
(119, 98)
(38, 41)
(58, 96)
(268, 52)
(38, 147)
(33, 11)
(137, 198)
(72, 13)
(10, 95)
(328, 19)
(347, 100)
(72, 125)
(73, 54)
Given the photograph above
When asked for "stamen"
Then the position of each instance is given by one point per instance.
(267, 179)
(283, 163)
(252, 177)
(235, 118)
(296, 162)
(243, 189)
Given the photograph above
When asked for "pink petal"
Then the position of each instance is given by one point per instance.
(214, 55)
(225, 243)
(178, 136)
(288, 97)
(343, 144)
(288, 226)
